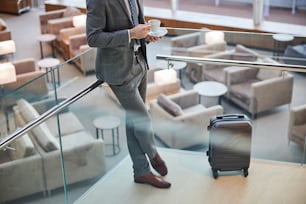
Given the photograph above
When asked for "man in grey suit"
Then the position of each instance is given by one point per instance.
(118, 29)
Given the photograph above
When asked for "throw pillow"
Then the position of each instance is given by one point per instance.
(244, 54)
(41, 133)
(45, 138)
(264, 74)
(23, 146)
(169, 106)
(27, 111)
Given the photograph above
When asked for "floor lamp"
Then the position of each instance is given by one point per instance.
(7, 75)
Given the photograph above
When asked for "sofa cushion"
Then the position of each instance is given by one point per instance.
(169, 106)
(41, 133)
(264, 74)
(69, 123)
(244, 54)
(27, 111)
(242, 91)
(2, 25)
(71, 11)
(23, 146)
(45, 138)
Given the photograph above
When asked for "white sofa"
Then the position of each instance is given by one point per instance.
(83, 154)
(20, 170)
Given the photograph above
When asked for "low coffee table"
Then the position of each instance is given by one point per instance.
(112, 123)
(211, 90)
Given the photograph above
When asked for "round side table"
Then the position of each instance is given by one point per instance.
(111, 123)
(212, 90)
(49, 64)
(281, 40)
(46, 38)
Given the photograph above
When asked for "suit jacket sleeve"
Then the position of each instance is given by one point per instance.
(107, 24)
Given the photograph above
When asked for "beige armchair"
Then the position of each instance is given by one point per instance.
(28, 78)
(87, 59)
(193, 44)
(297, 125)
(180, 44)
(5, 33)
(215, 72)
(64, 14)
(258, 90)
(186, 124)
(84, 56)
(52, 22)
(65, 35)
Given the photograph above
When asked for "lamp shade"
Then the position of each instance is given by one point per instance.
(7, 73)
(214, 37)
(7, 47)
(79, 21)
(165, 76)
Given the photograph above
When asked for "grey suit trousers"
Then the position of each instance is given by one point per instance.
(139, 132)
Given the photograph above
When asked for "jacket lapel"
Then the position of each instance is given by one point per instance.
(127, 13)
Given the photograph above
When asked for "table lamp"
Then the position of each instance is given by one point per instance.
(212, 37)
(165, 76)
(79, 21)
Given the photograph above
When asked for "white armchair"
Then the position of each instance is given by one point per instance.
(188, 127)
(297, 125)
(65, 35)
(258, 90)
(180, 44)
(194, 45)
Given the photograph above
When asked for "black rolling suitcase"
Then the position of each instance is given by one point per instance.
(229, 143)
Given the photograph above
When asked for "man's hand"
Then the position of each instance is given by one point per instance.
(140, 31)
(152, 38)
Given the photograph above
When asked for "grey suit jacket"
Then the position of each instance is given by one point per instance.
(107, 27)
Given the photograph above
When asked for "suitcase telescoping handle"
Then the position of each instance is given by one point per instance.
(226, 117)
(229, 116)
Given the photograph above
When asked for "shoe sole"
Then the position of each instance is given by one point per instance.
(152, 184)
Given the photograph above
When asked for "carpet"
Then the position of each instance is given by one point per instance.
(192, 182)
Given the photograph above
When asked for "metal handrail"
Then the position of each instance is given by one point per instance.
(251, 64)
(46, 115)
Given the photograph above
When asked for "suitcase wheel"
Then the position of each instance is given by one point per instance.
(215, 173)
(245, 172)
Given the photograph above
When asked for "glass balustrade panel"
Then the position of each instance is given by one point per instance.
(251, 73)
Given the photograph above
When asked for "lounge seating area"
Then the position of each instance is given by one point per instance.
(68, 25)
(35, 164)
(249, 88)
(179, 116)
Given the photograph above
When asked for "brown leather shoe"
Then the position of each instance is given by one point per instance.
(159, 165)
(153, 180)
